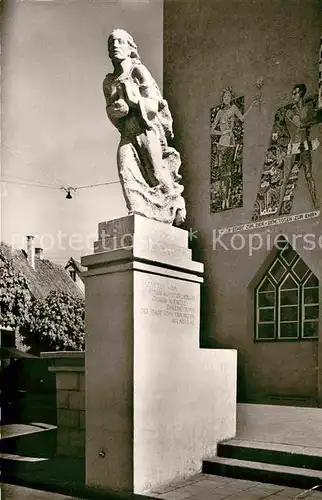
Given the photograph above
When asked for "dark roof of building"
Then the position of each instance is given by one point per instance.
(45, 277)
(76, 265)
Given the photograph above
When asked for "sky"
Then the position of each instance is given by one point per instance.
(54, 126)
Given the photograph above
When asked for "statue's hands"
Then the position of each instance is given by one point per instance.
(180, 216)
(296, 120)
(132, 93)
(119, 108)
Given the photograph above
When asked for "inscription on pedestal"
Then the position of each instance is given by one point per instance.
(167, 301)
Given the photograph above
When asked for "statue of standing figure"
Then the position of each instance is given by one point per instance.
(148, 167)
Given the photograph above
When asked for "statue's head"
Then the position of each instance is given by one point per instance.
(227, 95)
(121, 46)
(299, 91)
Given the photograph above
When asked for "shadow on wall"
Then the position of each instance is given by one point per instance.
(28, 392)
(207, 303)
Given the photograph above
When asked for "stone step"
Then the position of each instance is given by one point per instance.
(263, 472)
(38, 440)
(275, 453)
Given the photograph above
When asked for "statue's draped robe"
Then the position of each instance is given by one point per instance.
(148, 166)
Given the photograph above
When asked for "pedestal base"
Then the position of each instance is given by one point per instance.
(156, 404)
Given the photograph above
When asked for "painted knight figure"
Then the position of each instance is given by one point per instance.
(148, 167)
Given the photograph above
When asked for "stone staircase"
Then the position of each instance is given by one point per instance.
(274, 444)
(267, 462)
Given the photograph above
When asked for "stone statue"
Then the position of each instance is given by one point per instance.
(148, 167)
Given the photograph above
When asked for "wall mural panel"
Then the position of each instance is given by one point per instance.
(290, 149)
(227, 134)
(320, 75)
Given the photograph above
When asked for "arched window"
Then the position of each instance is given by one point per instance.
(287, 299)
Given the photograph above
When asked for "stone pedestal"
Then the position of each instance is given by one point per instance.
(156, 404)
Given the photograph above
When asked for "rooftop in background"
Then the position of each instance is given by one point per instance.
(76, 264)
(44, 277)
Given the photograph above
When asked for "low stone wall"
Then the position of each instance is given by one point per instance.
(68, 367)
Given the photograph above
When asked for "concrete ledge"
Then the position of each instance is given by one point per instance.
(114, 258)
(65, 368)
(63, 354)
(61, 361)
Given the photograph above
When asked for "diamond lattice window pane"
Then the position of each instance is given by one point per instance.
(277, 270)
(288, 254)
(300, 269)
(281, 242)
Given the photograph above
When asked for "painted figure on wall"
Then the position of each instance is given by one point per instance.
(148, 167)
(320, 76)
(227, 133)
(290, 150)
(298, 120)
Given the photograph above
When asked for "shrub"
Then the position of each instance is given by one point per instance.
(56, 323)
(15, 296)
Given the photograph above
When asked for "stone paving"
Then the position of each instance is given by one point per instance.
(208, 487)
(198, 487)
(12, 492)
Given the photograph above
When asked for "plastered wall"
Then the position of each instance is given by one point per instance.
(209, 45)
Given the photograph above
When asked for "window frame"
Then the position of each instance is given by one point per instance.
(301, 305)
(258, 308)
(279, 306)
